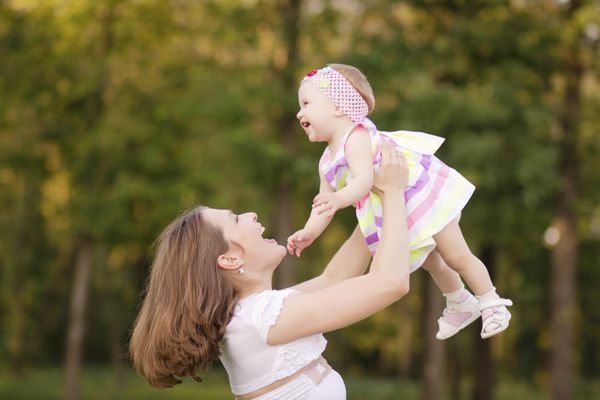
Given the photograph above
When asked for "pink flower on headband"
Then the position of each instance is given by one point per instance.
(311, 73)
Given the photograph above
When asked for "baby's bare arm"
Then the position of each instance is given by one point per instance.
(360, 161)
(317, 223)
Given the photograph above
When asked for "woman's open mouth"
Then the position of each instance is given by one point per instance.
(269, 240)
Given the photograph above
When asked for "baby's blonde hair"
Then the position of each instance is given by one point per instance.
(358, 80)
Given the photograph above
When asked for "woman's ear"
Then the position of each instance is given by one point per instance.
(230, 261)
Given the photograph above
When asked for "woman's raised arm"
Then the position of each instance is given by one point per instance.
(354, 299)
(350, 260)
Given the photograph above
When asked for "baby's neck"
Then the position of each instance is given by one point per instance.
(339, 132)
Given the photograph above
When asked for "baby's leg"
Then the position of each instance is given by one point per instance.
(455, 251)
(444, 277)
(461, 307)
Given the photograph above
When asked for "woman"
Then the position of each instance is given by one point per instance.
(209, 295)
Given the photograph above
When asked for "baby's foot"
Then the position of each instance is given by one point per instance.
(494, 315)
(461, 310)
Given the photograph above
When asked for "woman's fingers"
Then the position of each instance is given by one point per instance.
(386, 153)
(393, 170)
(322, 208)
(320, 200)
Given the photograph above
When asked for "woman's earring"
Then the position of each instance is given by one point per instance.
(242, 270)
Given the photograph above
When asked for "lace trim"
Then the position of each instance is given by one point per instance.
(295, 355)
(290, 357)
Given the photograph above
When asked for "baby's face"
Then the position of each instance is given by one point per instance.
(317, 113)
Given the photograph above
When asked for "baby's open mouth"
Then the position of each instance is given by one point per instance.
(305, 124)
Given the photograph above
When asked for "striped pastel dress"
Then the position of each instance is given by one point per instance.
(435, 195)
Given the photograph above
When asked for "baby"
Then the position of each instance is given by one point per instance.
(334, 104)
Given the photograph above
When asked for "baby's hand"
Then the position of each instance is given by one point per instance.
(299, 241)
(327, 203)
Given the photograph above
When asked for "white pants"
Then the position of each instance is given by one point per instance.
(303, 388)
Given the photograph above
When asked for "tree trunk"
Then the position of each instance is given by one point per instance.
(106, 13)
(404, 338)
(564, 254)
(287, 125)
(15, 326)
(286, 273)
(13, 283)
(564, 259)
(118, 354)
(456, 371)
(433, 364)
(14, 320)
(77, 319)
(483, 386)
(16, 274)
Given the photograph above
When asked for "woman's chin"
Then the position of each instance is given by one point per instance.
(281, 252)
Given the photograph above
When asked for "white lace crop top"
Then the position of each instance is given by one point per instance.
(250, 362)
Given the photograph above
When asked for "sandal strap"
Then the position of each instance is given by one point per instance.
(446, 326)
(495, 303)
(500, 317)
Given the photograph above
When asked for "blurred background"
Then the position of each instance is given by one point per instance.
(117, 115)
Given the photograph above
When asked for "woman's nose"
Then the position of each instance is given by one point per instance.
(251, 215)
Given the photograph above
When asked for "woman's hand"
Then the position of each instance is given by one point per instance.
(393, 173)
(327, 203)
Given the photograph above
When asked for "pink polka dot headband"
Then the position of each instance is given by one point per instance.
(337, 88)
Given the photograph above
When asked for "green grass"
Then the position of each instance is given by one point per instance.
(100, 384)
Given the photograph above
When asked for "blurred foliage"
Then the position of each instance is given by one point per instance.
(115, 116)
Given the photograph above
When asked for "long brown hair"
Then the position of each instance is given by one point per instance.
(187, 305)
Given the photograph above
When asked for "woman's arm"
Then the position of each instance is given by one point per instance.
(349, 261)
(352, 300)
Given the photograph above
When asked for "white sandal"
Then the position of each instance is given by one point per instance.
(500, 316)
(454, 310)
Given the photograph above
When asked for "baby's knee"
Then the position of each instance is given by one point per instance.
(459, 258)
(433, 262)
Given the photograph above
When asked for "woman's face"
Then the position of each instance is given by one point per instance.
(245, 231)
